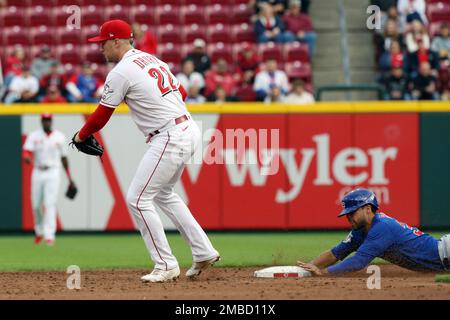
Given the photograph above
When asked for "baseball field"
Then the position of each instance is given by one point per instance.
(111, 266)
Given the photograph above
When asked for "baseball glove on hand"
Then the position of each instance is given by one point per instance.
(72, 191)
(89, 146)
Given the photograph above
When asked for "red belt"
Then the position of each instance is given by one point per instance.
(178, 120)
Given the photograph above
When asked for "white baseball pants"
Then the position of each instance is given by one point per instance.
(44, 194)
(159, 170)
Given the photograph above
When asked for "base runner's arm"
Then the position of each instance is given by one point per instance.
(324, 260)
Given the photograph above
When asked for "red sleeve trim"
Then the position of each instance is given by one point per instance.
(27, 154)
(183, 92)
(96, 121)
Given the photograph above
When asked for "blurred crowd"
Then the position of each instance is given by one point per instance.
(413, 55)
(248, 78)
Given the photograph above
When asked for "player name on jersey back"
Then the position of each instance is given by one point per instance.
(148, 87)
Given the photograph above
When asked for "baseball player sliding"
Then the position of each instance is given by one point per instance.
(156, 100)
(46, 149)
(378, 235)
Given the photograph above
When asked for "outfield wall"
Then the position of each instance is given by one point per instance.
(305, 159)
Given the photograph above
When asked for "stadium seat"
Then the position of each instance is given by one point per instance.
(193, 14)
(270, 50)
(16, 35)
(89, 32)
(175, 3)
(169, 33)
(100, 71)
(295, 51)
(243, 33)
(169, 52)
(124, 3)
(40, 16)
(168, 14)
(241, 13)
(92, 53)
(439, 12)
(220, 33)
(298, 69)
(192, 32)
(434, 28)
(60, 3)
(92, 15)
(69, 54)
(42, 35)
(14, 16)
(143, 14)
(218, 51)
(117, 12)
(97, 3)
(222, 2)
(218, 14)
(246, 93)
(151, 3)
(64, 36)
(186, 48)
(18, 3)
(44, 3)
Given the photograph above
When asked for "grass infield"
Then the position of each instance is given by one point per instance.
(112, 251)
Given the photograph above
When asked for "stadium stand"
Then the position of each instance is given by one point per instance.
(223, 24)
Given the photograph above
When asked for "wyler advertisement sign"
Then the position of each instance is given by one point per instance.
(290, 171)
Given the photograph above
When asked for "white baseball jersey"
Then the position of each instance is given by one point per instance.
(148, 87)
(47, 148)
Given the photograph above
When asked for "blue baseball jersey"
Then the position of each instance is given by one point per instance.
(390, 240)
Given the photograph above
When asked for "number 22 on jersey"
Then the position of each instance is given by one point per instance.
(165, 80)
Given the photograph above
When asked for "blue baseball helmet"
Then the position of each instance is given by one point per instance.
(356, 199)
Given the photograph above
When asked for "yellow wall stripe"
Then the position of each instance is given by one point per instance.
(248, 108)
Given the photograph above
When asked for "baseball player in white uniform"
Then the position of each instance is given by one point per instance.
(46, 149)
(156, 101)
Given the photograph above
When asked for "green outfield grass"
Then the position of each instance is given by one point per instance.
(108, 251)
(442, 278)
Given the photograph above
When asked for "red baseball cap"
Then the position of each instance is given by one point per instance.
(113, 29)
(46, 116)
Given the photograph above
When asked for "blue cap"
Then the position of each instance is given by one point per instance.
(356, 199)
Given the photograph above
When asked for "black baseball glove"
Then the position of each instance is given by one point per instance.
(89, 146)
(72, 190)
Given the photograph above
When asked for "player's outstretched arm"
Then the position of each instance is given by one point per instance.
(325, 259)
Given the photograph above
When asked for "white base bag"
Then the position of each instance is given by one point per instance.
(282, 272)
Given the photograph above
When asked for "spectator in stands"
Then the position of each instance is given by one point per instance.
(219, 75)
(194, 95)
(248, 62)
(220, 95)
(417, 34)
(23, 88)
(201, 60)
(390, 34)
(397, 85)
(412, 10)
(423, 54)
(14, 64)
(54, 78)
(300, 25)
(393, 57)
(188, 77)
(384, 5)
(269, 27)
(41, 65)
(298, 94)
(441, 43)
(424, 84)
(275, 95)
(84, 87)
(278, 6)
(53, 95)
(144, 40)
(269, 78)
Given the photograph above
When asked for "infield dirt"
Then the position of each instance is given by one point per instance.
(221, 284)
